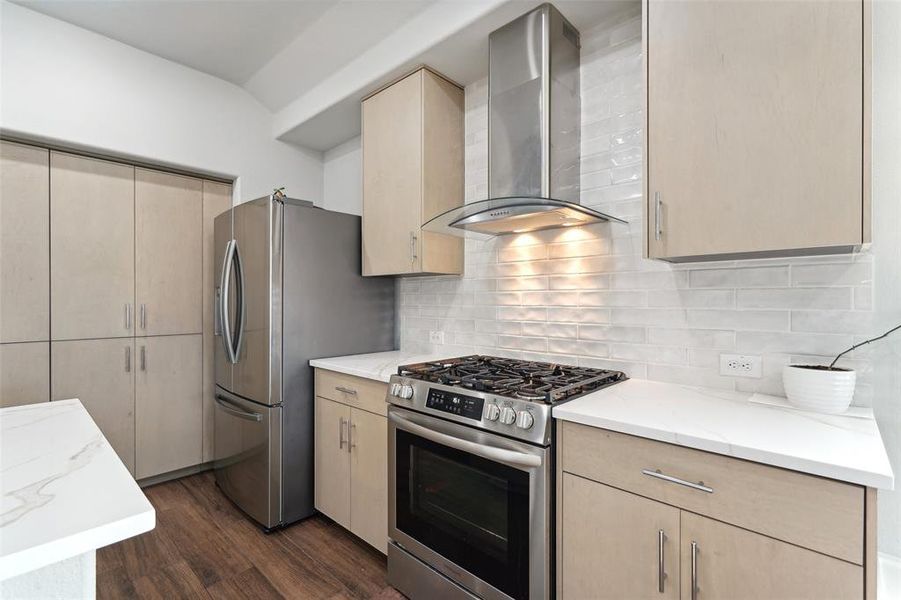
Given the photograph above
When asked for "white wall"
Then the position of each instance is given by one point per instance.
(586, 296)
(342, 172)
(66, 85)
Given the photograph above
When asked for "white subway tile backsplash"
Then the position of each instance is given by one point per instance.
(586, 296)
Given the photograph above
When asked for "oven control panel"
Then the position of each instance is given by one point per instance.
(455, 404)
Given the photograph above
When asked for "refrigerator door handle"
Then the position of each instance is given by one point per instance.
(231, 409)
(241, 310)
(224, 283)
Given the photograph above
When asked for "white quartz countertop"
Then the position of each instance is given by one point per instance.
(64, 490)
(836, 446)
(378, 365)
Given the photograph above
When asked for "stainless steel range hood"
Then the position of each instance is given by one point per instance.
(534, 131)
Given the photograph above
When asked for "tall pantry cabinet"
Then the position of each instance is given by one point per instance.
(121, 257)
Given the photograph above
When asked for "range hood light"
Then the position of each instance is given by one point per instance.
(534, 133)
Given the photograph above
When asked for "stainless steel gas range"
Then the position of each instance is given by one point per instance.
(471, 479)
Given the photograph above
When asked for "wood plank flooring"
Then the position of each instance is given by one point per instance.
(204, 547)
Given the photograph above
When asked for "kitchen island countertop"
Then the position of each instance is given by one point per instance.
(64, 490)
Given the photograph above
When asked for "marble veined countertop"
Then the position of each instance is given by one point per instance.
(378, 365)
(64, 490)
(847, 448)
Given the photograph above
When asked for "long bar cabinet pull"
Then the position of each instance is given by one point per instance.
(143, 358)
(128, 316)
(342, 422)
(656, 474)
(128, 359)
(694, 571)
(661, 572)
(143, 316)
(346, 390)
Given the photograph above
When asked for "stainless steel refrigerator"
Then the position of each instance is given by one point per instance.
(288, 289)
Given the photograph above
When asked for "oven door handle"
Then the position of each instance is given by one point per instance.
(502, 455)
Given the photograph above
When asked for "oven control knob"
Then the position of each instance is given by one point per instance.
(405, 392)
(508, 415)
(492, 412)
(394, 390)
(525, 420)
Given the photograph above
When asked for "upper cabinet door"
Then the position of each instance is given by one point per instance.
(392, 178)
(755, 125)
(168, 253)
(91, 248)
(24, 243)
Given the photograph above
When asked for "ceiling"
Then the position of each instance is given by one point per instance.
(290, 54)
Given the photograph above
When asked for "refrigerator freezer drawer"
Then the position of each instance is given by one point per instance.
(248, 457)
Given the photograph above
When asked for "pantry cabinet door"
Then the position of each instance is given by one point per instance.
(332, 461)
(217, 198)
(741, 565)
(369, 478)
(754, 126)
(168, 406)
(100, 373)
(24, 243)
(168, 253)
(24, 373)
(613, 544)
(92, 274)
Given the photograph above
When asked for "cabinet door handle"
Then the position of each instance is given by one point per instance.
(689, 484)
(342, 422)
(128, 316)
(346, 390)
(661, 572)
(694, 571)
(143, 316)
(143, 358)
(128, 359)
(658, 225)
(351, 436)
(412, 247)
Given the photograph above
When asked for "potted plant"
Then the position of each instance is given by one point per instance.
(820, 388)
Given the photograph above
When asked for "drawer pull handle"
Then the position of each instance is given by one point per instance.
(690, 484)
(346, 390)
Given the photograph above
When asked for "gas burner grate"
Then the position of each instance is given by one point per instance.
(526, 380)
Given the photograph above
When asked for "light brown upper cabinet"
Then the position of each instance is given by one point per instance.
(24, 243)
(756, 128)
(217, 198)
(168, 253)
(92, 269)
(412, 171)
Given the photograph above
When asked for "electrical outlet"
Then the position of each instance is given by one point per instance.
(436, 337)
(739, 365)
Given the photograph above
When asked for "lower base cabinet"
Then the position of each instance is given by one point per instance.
(101, 374)
(168, 404)
(626, 532)
(351, 462)
(24, 373)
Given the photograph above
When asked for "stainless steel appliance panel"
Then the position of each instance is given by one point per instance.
(222, 236)
(257, 233)
(248, 453)
(330, 309)
(488, 525)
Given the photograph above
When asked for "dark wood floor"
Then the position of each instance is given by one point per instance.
(203, 547)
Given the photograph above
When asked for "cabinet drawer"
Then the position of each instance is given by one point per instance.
(813, 512)
(353, 391)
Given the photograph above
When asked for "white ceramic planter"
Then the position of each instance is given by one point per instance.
(815, 388)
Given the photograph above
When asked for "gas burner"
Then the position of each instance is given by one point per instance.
(512, 378)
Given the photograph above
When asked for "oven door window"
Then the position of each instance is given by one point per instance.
(472, 511)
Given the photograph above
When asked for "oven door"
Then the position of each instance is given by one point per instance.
(473, 505)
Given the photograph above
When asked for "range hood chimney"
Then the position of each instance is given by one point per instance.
(534, 132)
